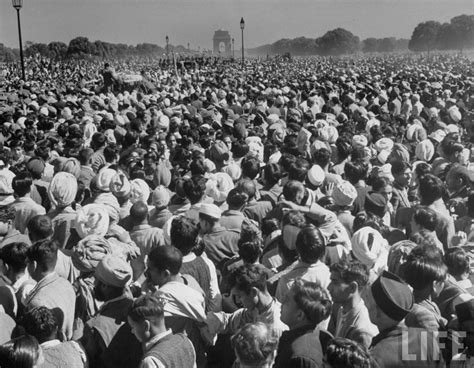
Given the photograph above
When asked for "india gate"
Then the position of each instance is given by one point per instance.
(222, 43)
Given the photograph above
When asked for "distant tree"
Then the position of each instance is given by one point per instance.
(446, 39)
(424, 36)
(57, 50)
(37, 48)
(337, 42)
(387, 44)
(370, 45)
(80, 45)
(463, 29)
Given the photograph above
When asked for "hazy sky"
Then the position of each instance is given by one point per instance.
(194, 21)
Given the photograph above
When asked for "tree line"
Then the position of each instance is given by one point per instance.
(458, 34)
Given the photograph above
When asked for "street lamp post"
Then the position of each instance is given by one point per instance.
(17, 4)
(233, 49)
(188, 48)
(167, 47)
(242, 26)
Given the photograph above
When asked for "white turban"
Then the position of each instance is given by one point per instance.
(92, 219)
(140, 191)
(370, 248)
(218, 186)
(62, 189)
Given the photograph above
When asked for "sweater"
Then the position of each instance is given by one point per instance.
(172, 351)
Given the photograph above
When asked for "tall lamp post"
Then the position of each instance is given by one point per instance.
(17, 4)
(242, 26)
(233, 49)
(167, 47)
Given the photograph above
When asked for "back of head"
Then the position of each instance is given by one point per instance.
(424, 265)
(249, 276)
(355, 171)
(166, 258)
(139, 212)
(184, 233)
(194, 188)
(14, 255)
(426, 218)
(344, 353)
(250, 251)
(458, 261)
(40, 227)
(45, 254)
(352, 271)
(430, 189)
(254, 344)
(292, 190)
(21, 352)
(312, 299)
(147, 307)
(41, 323)
(248, 187)
(310, 244)
(21, 184)
(250, 167)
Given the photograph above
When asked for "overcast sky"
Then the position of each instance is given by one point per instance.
(194, 21)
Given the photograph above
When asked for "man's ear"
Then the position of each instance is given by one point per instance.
(253, 292)
(147, 325)
(353, 287)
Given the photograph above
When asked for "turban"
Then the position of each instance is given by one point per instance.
(71, 165)
(120, 186)
(109, 202)
(104, 178)
(218, 186)
(384, 144)
(369, 247)
(89, 252)
(344, 194)
(89, 131)
(114, 271)
(255, 147)
(161, 196)
(162, 175)
(425, 150)
(92, 219)
(140, 191)
(359, 141)
(62, 189)
(233, 170)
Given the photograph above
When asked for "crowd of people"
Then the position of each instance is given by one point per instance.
(314, 212)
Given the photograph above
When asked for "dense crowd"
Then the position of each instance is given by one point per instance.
(314, 212)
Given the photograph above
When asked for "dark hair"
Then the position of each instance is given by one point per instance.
(110, 154)
(14, 255)
(344, 148)
(298, 170)
(380, 182)
(166, 258)
(44, 253)
(197, 167)
(194, 188)
(248, 187)
(272, 174)
(356, 171)
(21, 184)
(423, 266)
(470, 204)
(431, 189)
(249, 276)
(21, 352)
(426, 218)
(184, 233)
(250, 167)
(322, 157)
(40, 227)
(254, 343)
(312, 299)
(422, 169)
(85, 155)
(269, 225)
(146, 307)
(250, 251)
(41, 323)
(310, 244)
(457, 261)
(352, 271)
(236, 198)
(399, 167)
(346, 353)
(291, 189)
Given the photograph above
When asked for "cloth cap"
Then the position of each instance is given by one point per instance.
(161, 196)
(344, 194)
(62, 189)
(114, 271)
(392, 296)
(210, 210)
(120, 185)
(316, 175)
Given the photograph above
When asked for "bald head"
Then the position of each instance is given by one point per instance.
(139, 212)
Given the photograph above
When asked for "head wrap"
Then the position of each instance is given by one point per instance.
(161, 196)
(114, 271)
(89, 252)
(92, 219)
(370, 248)
(109, 202)
(140, 191)
(71, 165)
(62, 189)
(425, 150)
(344, 194)
(104, 178)
(120, 185)
(218, 186)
